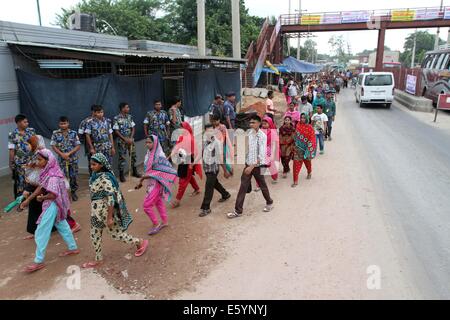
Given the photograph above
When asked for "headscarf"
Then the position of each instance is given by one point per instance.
(52, 180)
(186, 141)
(121, 211)
(287, 130)
(272, 140)
(159, 168)
(305, 140)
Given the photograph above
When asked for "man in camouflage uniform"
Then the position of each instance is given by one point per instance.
(157, 123)
(99, 135)
(19, 152)
(66, 144)
(82, 136)
(125, 128)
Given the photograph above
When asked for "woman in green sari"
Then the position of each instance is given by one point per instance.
(108, 210)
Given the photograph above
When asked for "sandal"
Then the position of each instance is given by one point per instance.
(140, 252)
(233, 215)
(91, 265)
(77, 228)
(29, 237)
(34, 267)
(175, 205)
(309, 176)
(295, 185)
(69, 253)
(155, 230)
(195, 193)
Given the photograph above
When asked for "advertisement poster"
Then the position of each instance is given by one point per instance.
(411, 82)
(355, 17)
(403, 15)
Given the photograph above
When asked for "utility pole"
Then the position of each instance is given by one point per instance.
(299, 35)
(436, 41)
(288, 39)
(39, 12)
(236, 19)
(201, 29)
(413, 58)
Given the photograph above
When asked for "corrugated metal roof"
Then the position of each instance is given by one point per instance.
(129, 53)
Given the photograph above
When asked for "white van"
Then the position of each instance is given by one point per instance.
(375, 87)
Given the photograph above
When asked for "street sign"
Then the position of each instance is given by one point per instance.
(442, 104)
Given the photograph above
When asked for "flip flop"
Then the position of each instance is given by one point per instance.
(90, 265)
(69, 253)
(175, 205)
(34, 267)
(195, 193)
(142, 249)
(76, 229)
(28, 238)
(155, 230)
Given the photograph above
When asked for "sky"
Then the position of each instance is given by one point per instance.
(24, 11)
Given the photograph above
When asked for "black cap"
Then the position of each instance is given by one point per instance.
(231, 94)
(218, 96)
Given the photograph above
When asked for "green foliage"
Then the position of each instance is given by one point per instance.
(169, 21)
(424, 42)
(338, 47)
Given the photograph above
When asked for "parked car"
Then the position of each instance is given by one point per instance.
(375, 88)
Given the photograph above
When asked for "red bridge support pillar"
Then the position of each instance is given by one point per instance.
(380, 48)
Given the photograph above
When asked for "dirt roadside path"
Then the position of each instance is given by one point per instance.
(316, 244)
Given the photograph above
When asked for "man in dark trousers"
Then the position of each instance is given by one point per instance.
(256, 159)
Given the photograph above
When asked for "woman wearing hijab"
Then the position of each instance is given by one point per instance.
(32, 178)
(108, 210)
(160, 177)
(187, 147)
(305, 147)
(287, 132)
(52, 193)
(273, 151)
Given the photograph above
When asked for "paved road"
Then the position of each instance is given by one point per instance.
(410, 161)
(379, 197)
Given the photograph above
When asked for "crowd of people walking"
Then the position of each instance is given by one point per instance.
(47, 184)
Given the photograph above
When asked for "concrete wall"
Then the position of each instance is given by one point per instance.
(9, 103)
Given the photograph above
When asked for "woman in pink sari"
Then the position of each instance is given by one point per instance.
(160, 177)
(55, 207)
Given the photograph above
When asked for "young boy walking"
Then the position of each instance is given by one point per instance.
(255, 160)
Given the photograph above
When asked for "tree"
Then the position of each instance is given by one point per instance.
(309, 50)
(338, 46)
(135, 19)
(424, 42)
(183, 15)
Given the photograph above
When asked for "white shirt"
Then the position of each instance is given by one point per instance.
(305, 108)
(318, 121)
(293, 90)
(257, 144)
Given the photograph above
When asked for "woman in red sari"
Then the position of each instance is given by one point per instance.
(186, 171)
(305, 146)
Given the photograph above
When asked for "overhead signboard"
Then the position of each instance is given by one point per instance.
(427, 14)
(309, 19)
(331, 18)
(355, 16)
(403, 15)
(447, 13)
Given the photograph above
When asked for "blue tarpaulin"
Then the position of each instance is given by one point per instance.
(300, 66)
(281, 68)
